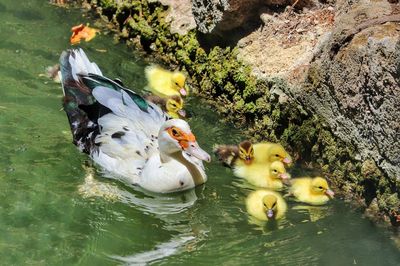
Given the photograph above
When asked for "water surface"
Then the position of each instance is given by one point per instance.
(55, 209)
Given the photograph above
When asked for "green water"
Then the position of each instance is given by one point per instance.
(53, 212)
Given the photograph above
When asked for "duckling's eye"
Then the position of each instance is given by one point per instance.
(275, 171)
(273, 205)
(173, 105)
(320, 187)
(277, 155)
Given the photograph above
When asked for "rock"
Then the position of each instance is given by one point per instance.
(354, 85)
(216, 17)
(179, 15)
(286, 43)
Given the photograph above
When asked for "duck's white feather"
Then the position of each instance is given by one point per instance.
(80, 64)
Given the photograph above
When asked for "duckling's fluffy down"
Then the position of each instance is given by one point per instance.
(254, 204)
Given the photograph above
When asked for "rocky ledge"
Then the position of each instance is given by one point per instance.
(321, 77)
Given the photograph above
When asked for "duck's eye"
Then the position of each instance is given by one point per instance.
(275, 171)
(277, 155)
(175, 133)
(273, 205)
(173, 105)
(320, 187)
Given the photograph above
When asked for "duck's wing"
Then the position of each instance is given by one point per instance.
(90, 100)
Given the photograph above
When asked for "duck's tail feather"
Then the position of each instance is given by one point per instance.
(227, 154)
(79, 104)
(74, 63)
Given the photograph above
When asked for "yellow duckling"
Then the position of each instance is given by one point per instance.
(171, 105)
(164, 83)
(265, 205)
(263, 175)
(314, 191)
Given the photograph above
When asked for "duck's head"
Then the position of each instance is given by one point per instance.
(178, 83)
(270, 205)
(278, 171)
(175, 136)
(320, 186)
(174, 105)
(246, 151)
(278, 153)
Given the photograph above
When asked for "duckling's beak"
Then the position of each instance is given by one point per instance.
(287, 160)
(195, 150)
(284, 176)
(329, 193)
(182, 91)
(270, 213)
(247, 160)
(182, 113)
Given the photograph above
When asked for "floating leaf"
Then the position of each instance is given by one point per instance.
(82, 32)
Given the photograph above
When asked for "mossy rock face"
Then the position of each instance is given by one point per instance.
(263, 108)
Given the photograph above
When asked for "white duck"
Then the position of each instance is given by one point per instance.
(128, 136)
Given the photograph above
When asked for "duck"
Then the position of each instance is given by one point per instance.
(164, 83)
(172, 105)
(246, 154)
(266, 205)
(314, 191)
(131, 139)
(271, 176)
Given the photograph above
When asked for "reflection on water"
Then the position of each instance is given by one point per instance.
(162, 206)
(53, 211)
(160, 251)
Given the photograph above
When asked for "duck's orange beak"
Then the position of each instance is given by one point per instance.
(188, 143)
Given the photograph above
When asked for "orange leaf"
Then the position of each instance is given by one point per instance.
(82, 32)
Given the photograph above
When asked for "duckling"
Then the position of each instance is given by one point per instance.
(265, 205)
(314, 191)
(171, 105)
(247, 153)
(165, 83)
(52, 72)
(263, 175)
